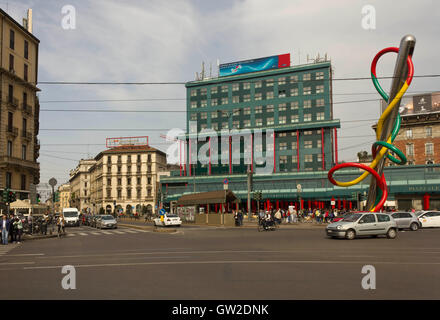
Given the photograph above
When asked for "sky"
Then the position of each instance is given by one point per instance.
(166, 41)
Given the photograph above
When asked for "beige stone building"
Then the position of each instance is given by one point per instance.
(19, 110)
(126, 178)
(64, 191)
(80, 188)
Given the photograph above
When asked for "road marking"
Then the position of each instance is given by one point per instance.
(118, 232)
(106, 232)
(131, 231)
(7, 263)
(26, 254)
(233, 262)
(6, 248)
(96, 233)
(70, 235)
(83, 233)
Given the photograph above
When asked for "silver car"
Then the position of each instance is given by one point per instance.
(363, 224)
(106, 221)
(406, 220)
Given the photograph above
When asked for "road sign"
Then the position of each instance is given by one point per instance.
(333, 203)
(162, 212)
(226, 181)
(53, 182)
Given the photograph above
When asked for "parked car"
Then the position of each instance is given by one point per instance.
(429, 219)
(94, 220)
(339, 218)
(168, 220)
(363, 224)
(406, 220)
(106, 221)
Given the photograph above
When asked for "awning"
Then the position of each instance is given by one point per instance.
(221, 196)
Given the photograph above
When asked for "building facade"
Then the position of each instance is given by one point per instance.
(64, 196)
(126, 178)
(294, 102)
(19, 108)
(80, 187)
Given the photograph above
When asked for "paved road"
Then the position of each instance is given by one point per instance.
(222, 263)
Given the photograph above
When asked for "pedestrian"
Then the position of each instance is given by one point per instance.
(240, 218)
(18, 226)
(278, 216)
(318, 215)
(11, 228)
(44, 223)
(4, 227)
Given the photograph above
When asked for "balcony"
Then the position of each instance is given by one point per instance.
(12, 102)
(17, 162)
(26, 135)
(11, 131)
(27, 109)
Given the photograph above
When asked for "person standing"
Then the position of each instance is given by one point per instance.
(4, 227)
(11, 228)
(18, 226)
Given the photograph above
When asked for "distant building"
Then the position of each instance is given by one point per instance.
(19, 111)
(80, 185)
(64, 196)
(126, 177)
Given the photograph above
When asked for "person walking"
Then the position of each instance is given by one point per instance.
(18, 226)
(240, 218)
(4, 227)
(278, 216)
(318, 215)
(11, 228)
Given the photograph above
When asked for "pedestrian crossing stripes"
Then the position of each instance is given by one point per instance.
(84, 233)
(4, 249)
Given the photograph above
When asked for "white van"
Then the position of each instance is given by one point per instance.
(71, 216)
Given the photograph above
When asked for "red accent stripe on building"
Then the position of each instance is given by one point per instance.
(322, 148)
(336, 145)
(297, 148)
(274, 155)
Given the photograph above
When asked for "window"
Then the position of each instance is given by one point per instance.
(269, 95)
(308, 144)
(282, 119)
(409, 133)
(214, 102)
(23, 152)
(294, 118)
(281, 80)
(247, 98)
(258, 84)
(247, 111)
(236, 112)
(193, 116)
(308, 158)
(307, 77)
(214, 114)
(193, 104)
(293, 79)
(282, 107)
(307, 117)
(269, 108)
(129, 181)
(319, 102)
(12, 39)
(203, 103)
(283, 146)
(138, 158)
(282, 93)
(368, 218)
(235, 86)
(235, 99)
(149, 180)
(269, 83)
(410, 149)
(138, 181)
(26, 49)
(318, 143)
(307, 90)
(119, 169)
(319, 89)
(236, 124)
(224, 89)
(225, 113)
(109, 181)
(247, 123)
(429, 149)
(246, 85)
(9, 151)
(319, 76)
(385, 218)
(293, 92)
(109, 169)
(308, 132)
(149, 158)
(320, 116)
(258, 96)
(258, 122)
(259, 109)
(149, 169)
(224, 101)
(294, 105)
(294, 145)
(307, 104)
(119, 181)
(214, 90)
(203, 115)
(193, 92)
(149, 192)
(225, 125)
(283, 159)
(11, 63)
(282, 135)
(428, 131)
(270, 121)
(203, 91)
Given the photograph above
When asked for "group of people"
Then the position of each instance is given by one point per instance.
(238, 216)
(12, 228)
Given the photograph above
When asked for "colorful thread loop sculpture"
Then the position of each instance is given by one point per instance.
(380, 148)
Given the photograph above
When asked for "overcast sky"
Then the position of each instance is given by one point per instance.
(166, 41)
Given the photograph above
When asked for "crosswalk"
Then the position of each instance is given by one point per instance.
(84, 233)
(4, 249)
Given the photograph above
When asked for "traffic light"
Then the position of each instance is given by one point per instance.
(57, 196)
(38, 198)
(11, 196)
(5, 195)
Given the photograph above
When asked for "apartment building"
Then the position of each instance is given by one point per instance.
(19, 107)
(80, 188)
(64, 196)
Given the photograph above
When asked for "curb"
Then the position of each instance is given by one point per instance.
(134, 226)
(39, 237)
(164, 230)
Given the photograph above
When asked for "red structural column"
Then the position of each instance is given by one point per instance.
(302, 204)
(230, 156)
(339, 204)
(322, 149)
(180, 157)
(426, 201)
(310, 204)
(345, 203)
(351, 205)
(236, 206)
(209, 155)
(278, 204)
(336, 146)
(297, 148)
(252, 153)
(189, 157)
(274, 155)
(216, 208)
